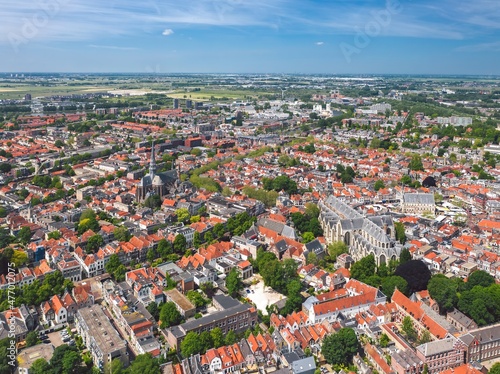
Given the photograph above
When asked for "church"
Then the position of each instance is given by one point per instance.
(363, 235)
(161, 184)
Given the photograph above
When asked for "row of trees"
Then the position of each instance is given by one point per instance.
(406, 275)
(37, 292)
(478, 298)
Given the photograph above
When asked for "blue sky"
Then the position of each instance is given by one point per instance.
(276, 36)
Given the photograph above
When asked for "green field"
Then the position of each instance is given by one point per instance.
(210, 94)
(18, 91)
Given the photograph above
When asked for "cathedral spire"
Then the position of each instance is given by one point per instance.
(152, 164)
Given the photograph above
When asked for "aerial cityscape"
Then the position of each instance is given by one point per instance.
(233, 186)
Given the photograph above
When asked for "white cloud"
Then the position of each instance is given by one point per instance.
(167, 32)
(492, 47)
(319, 43)
(112, 47)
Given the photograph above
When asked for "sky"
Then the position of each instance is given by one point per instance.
(251, 36)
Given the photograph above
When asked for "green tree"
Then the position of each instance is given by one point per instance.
(400, 232)
(379, 184)
(153, 202)
(405, 255)
(119, 273)
(389, 284)
(234, 283)
(169, 315)
(408, 329)
(153, 309)
(182, 215)
(294, 297)
(180, 244)
(218, 230)
(164, 248)
(217, 337)
(116, 367)
(495, 369)
(336, 249)
(425, 337)
(191, 344)
(19, 258)
(444, 291)
(112, 264)
(39, 366)
(24, 235)
(312, 258)
(94, 243)
(384, 340)
(479, 278)
(196, 298)
(196, 239)
(121, 234)
(31, 339)
(308, 237)
(71, 362)
(230, 338)
(340, 348)
(144, 364)
(56, 235)
(416, 163)
(363, 268)
(206, 341)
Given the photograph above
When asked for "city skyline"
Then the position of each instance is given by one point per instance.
(241, 36)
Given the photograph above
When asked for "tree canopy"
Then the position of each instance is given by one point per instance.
(234, 283)
(340, 348)
(416, 273)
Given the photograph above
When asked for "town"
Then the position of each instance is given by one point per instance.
(249, 223)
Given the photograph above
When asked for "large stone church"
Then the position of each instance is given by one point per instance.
(161, 184)
(363, 235)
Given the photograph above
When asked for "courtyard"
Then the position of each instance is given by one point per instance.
(261, 295)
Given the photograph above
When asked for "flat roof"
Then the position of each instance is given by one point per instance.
(102, 331)
(181, 300)
(31, 354)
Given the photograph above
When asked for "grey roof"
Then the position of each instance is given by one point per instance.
(406, 358)
(460, 318)
(352, 224)
(467, 339)
(437, 347)
(245, 348)
(315, 246)
(310, 301)
(207, 320)
(306, 365)
(487, 334)
(281, 246)
(271, 224)
(226, 302)
(419, 198)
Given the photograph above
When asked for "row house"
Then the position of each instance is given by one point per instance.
(423, 317)
(146, 284)
(292, 321)
(91, 264)
(70, 268)
(24, 319)
(226, 359)
(59, 310)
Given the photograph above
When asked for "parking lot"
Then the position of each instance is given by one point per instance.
(56, 339)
